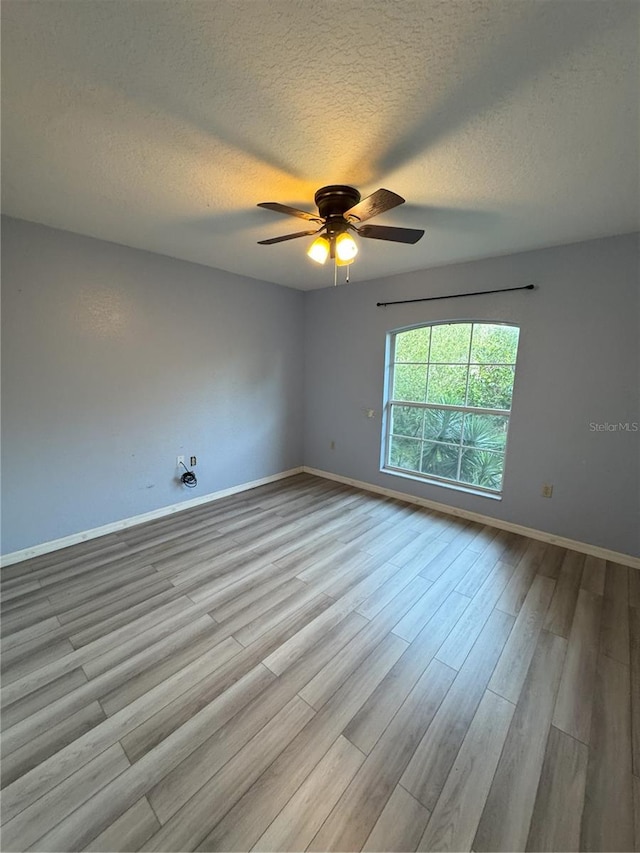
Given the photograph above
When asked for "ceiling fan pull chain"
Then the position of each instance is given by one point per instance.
(335, 273)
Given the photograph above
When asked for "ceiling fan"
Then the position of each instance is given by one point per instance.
(340, 211)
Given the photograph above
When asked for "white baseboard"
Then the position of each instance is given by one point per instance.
(94, 533)
(532, 533)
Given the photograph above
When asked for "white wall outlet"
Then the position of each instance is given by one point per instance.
(332, 445)
(193, 461)
(179, 461)
(547, 490)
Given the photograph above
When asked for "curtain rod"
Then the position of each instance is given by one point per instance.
(455, 295)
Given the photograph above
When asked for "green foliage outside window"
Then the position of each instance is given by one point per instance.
(466, 365)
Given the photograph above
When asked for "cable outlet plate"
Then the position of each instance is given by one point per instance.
(179, 461)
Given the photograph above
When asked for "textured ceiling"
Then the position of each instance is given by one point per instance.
(160, 125)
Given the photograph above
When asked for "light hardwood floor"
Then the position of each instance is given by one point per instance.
(307, 666)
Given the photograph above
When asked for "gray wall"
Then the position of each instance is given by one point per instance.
(578, 364)
(114, 361)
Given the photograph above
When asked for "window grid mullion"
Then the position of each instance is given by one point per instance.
(458, 363)
(466, 387)
(426, 390)
(471, 410)
(466, 400)
(426, 393)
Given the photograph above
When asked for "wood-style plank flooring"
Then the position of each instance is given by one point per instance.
(310, 667)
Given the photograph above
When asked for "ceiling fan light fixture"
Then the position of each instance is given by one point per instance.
(319, 250)
(339, 206)
(346, 249)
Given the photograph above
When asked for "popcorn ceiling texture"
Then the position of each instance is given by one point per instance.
(160, 125)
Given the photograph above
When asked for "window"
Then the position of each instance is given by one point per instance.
(449, 401)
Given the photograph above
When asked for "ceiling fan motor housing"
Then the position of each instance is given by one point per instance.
(332, 201)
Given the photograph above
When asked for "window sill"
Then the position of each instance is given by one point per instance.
(468, 490)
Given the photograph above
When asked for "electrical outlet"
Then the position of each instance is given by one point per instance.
(193, 461)
(547, 490)
(332, 445)
(179, 461)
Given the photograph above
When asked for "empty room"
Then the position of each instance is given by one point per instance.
(320, 425)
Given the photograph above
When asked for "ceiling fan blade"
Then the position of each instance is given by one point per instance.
(286, 237)
(290, 211)
(397, 235)
(373, 204)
